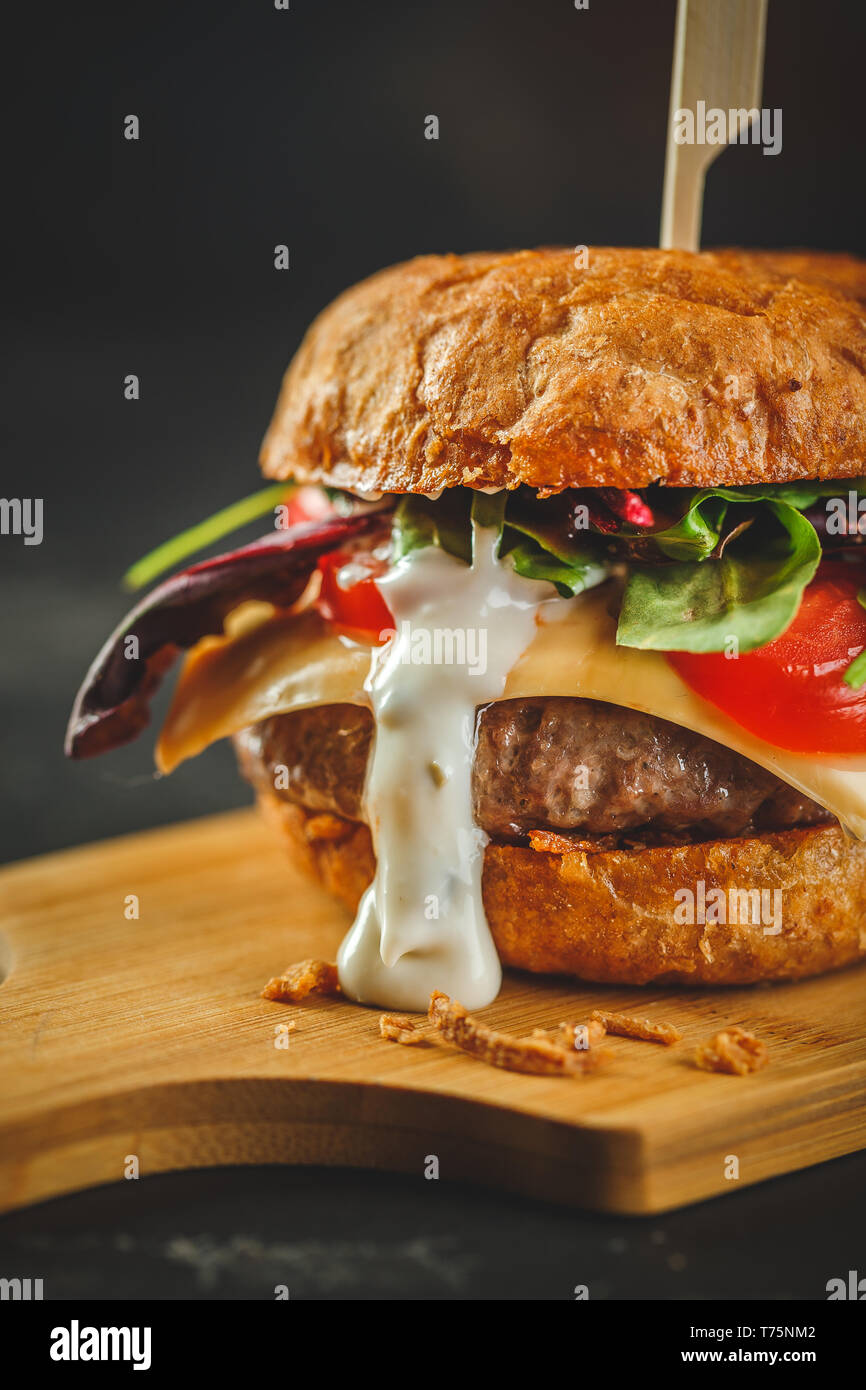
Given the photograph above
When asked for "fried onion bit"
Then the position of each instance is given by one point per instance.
(535, 1056)
(624, 1026)
(298, 981)
(400, 1029)
(734, 1051)
(577, 1036)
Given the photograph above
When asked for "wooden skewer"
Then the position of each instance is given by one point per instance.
(718, 61)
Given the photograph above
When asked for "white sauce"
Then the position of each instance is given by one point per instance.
(421, 923)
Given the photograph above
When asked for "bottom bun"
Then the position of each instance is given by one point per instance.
(610, 917)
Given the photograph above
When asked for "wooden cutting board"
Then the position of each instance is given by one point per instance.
(148, 1038)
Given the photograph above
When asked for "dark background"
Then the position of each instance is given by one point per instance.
(306, 127)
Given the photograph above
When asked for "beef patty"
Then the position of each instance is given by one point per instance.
(546, 764)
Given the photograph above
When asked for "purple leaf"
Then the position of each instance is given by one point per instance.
(113, 705)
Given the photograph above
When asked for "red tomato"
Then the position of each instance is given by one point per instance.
(349, 596)
(791, 693)
(308, 503)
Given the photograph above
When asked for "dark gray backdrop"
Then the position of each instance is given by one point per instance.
(306, 127)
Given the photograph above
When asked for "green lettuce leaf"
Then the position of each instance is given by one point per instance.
(570, 576)
(418, 521)
(540, 550)
(533, 534)
(488, 510)
(701, 527)
(733, 566)
(750, 593)
(698, 531)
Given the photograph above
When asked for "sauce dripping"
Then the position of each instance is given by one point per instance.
(421, 925)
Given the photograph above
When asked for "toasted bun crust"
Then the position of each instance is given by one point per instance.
(493, 370)
(610, 917)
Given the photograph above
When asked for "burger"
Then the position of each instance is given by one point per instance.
(554, 652)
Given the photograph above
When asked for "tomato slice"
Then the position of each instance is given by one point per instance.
(350, 598)
(791, 693)
(308, 503)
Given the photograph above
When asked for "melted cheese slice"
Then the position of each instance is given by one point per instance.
(266, 664)
(269, 664)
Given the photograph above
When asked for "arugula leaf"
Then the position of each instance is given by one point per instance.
(750, 593)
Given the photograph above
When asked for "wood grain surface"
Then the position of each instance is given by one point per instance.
(148, 1037)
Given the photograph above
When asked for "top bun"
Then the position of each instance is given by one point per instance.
(493, 370)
